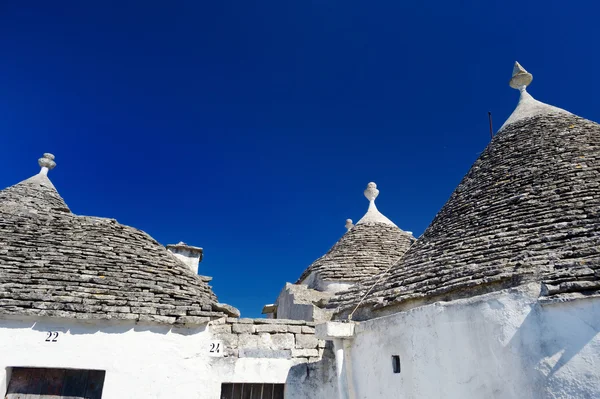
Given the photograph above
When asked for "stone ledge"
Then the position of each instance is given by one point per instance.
(305, 327)
(305, 353)
(265, 353)
(274, 328)
(334, 329)
(234, 320)
(557, 299)
(180, 321)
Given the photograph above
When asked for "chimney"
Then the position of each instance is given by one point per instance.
(191, 256)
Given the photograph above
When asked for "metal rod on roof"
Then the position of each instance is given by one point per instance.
(491, 129)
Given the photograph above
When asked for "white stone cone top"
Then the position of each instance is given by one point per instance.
(528, 106)
(373, 215)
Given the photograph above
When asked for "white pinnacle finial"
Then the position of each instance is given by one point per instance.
(528, 106)
(520, 77)
(371, 192)
(373, 215)
(349, 224)
(47, 163)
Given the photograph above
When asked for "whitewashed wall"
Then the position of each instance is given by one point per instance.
(500, 345)
(146, 361)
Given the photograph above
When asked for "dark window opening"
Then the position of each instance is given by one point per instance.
(33, 383)
(251, 391)
(396, 364)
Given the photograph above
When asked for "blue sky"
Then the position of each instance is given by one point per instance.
(251, 128)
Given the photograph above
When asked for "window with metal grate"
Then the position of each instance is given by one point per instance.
(252, 391)
(32, 383)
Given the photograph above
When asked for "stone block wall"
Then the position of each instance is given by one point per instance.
(298, 302)
(268, 338)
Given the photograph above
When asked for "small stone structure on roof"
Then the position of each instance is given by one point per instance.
(190, 255)
(54, 263)
(528, 210)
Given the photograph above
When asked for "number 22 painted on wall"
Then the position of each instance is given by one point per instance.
(52, 336)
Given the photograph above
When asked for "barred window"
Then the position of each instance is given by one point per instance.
(251, 391)
(28, 382)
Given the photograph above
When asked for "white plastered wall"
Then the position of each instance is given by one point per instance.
(146, 361)
(500, 345)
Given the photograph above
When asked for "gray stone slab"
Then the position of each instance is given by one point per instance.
(265, 353)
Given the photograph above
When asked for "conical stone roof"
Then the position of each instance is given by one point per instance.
(54, 263)
(368, 248)
(528, 210)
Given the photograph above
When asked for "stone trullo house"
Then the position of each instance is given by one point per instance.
(499, 298)
(92, 309)
(367, 249)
